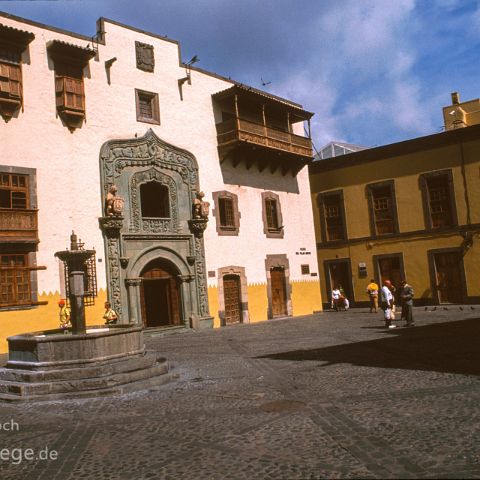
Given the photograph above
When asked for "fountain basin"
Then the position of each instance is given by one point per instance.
(55, 349)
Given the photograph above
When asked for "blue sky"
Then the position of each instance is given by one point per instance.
(373, 71)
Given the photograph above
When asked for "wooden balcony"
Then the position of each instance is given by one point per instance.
(255, 143)
(18, 225)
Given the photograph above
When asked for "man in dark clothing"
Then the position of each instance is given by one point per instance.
(406, 298)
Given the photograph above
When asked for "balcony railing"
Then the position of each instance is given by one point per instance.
(235, 130)
(18, 225)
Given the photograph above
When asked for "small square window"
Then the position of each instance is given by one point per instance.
(305, 269)
(148, 110)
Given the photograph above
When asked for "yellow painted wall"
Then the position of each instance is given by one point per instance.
(257, 302)
(306, 297)
(44, 317)
(405, 171)
(213, 305)
(305, 300)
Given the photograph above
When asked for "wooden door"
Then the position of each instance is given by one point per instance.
(232, 298)
(448, 277)
(390, 269)
(340, 276)
(279, 291)
(160, 297)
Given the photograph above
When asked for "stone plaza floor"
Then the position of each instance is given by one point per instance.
(332, 395)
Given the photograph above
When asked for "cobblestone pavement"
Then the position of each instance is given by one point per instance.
(333, 395)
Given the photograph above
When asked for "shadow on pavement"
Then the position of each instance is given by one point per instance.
(450, 347)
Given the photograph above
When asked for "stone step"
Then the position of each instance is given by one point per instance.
(97, 369)
(151, 383)
(26, 389)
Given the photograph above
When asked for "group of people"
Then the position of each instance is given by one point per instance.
(109, 316)
(389, 297)
(339, 299)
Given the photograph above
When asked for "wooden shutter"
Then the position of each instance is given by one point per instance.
(10, 80)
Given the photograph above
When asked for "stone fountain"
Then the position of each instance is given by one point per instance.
(93, 361)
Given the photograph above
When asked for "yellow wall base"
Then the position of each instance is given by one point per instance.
(44, 317)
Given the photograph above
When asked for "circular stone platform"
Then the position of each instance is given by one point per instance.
(103, 361)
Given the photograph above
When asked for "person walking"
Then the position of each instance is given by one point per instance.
(406, 299)
(387, 303)
(372, 292)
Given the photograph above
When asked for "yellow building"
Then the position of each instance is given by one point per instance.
(406, 210)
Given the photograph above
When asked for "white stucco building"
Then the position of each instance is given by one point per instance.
(82, 115)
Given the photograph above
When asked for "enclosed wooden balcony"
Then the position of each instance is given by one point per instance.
(256, 129)
(18, 225)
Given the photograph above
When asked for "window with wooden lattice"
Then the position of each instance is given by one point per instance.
(14, 280)
(332, 215)
(383, 211)
(272, 215)
(439, 199)
(13, 43)
(226, 213)
(69, 90)
(69, 64)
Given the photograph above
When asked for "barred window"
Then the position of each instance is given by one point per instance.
(147, 107)
(226, 211)
(272, 217)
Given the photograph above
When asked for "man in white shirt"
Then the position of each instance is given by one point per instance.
(387, 303)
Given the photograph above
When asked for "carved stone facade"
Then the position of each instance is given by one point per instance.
(145, 57)
(134, 243)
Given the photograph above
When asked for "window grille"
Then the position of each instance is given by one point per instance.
(90, 279)
(272, 216)
(227, 217)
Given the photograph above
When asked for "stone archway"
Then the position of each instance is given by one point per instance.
(141, 234)
(160, 295)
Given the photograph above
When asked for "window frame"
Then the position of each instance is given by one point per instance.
(323, 220)
(69, 80)
(424, 178)
(371, 188)
(272, 231)
(154, 104)
(226, 230)
(15, 188)
(165, 199)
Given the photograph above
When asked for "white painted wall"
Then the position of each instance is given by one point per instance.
(68, 163)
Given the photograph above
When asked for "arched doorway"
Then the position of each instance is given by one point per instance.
(279, 292)
(232, 298)
(160, 295)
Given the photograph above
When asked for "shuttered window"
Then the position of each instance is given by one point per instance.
(70, 96)
(10, 81)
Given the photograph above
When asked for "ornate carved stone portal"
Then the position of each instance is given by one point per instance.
(159, 186)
